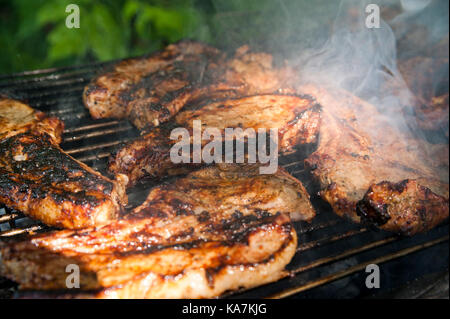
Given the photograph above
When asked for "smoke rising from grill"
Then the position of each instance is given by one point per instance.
(401, 67)
(330, 45)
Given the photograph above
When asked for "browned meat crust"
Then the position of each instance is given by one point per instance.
(233, 187)
(297, 119)
(218, 229)
(17, 117)
(246, 73)
(155, 80)
(147, 157)
(404, 207)
(40, 180)
(151, 90)
(358, 148)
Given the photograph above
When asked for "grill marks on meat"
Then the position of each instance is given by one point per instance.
(151, 90)
(155, 81)
(297, 119)
(40, 180)
(146, 157)
(360, 152)
(232, 187)
(218, 229)
(162, 94)
(200, 269)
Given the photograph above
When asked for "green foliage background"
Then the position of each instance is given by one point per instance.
(33, 34)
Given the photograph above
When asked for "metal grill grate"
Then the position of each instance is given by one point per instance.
(330, 249)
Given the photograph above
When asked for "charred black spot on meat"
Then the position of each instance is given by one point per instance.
(396, 187)
(263, 213)
(204, 216)
(180, 207)
(373, 213)
(299, 115)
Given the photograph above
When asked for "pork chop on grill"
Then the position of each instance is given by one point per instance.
(371, 172)
(297, 119)
(245, 73)
(159, 79)
(17, 117)
(39, 179)
(151, 90)
(218, 229)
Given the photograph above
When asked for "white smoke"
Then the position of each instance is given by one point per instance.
(359, 60)
(329, 44)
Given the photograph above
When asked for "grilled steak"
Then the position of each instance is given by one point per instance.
(40, 180)
(296, 118)
(151, 90)
(368, 171)
(17, 117)
(158, 79)
(406, 207)
(217, 229)
(246, 73)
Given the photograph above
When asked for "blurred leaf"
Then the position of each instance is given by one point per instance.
(33, 32)
(51, 11)
(130, 9)
(66, 42)
(106, 37)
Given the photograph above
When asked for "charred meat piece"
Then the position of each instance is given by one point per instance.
(361, 152)
(297, 119)
(40, 180)
(407, 206)
(151, 90)
(245, 73)
(232, 187)
(17, 117)
(147, 157)
(217, 229)
(158, 78)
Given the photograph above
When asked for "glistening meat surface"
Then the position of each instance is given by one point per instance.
(297, 119)
(370, 171)
(152, 89)
(218, 229)
(39, 179)
(159, 77)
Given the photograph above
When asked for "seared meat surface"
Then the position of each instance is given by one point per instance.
(17, 117)
(406, 206)
(40, 180)
(217, 229)
(245, 74)
(151, 90)
(160, 79)
(297, 119)
(400, 182)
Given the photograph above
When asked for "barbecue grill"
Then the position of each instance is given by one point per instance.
(332, 254)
